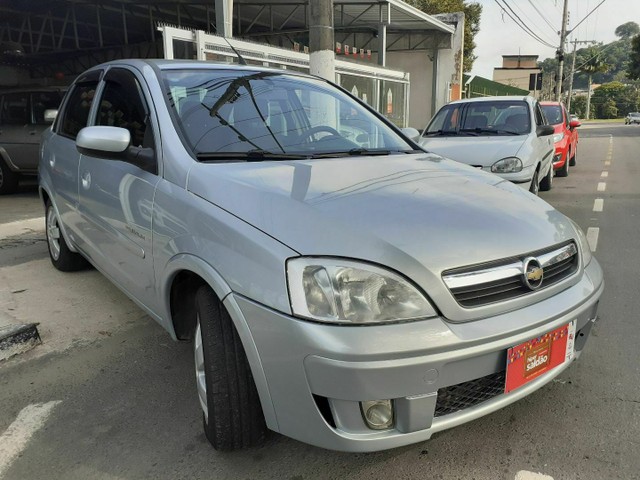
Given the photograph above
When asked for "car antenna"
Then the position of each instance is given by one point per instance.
(241, 59)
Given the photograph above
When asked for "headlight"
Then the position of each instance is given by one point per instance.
(585, 249)
(557, 137)
(507, 165)
(342, 291)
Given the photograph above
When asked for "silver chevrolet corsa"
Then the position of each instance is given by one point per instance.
(340, 285)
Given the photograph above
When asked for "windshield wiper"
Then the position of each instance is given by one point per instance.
(479, 130)
(256, 155)
(442, 132)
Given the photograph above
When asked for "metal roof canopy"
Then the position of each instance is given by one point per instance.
(69, 36)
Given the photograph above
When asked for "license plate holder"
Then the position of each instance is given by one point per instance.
(530, 359)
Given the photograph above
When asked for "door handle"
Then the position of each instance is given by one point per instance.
(86, 180)
(32, 132)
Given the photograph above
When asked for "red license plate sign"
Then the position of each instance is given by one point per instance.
(535, 357)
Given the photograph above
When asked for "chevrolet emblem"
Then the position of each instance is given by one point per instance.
(532, 273)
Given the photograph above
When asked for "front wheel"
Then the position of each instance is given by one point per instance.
(547, 181)
(233, 417)
(61, 256)
(534, 183)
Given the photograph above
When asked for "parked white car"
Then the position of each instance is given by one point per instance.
(508, 136)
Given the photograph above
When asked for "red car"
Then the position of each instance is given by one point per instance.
(565, 136)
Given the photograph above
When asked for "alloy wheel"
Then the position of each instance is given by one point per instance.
(53, 233)
(201, 380)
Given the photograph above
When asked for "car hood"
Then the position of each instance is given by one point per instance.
(417, 214)
(482, 150)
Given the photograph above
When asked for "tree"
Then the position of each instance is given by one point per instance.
(593, 64)
(633, 67)
(627, 30)
(615, 99)
(472, 12)
(579, 107)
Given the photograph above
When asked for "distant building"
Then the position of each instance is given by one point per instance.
(520, 71)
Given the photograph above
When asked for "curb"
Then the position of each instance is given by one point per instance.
(18, 338)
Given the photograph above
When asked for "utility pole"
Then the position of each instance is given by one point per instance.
(321, 39)
(573, 69)
(563, 37)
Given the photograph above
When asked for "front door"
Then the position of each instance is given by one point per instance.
(14, 120)
(116, 196)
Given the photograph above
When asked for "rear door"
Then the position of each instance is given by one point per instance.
(61, 157)
(116, 196)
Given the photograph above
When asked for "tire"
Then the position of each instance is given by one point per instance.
(534, 188)
(61, 257)
(232, 414)
(564, 171)
(547, 182)
(572, 162)
(8, 179)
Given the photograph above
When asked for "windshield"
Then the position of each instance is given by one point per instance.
(230, 114)
(553, 113)
(481, 118)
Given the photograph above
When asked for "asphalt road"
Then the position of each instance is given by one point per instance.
(127, 399)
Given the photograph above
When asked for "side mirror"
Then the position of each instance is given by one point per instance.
(574, 124)
(545, 130)
(103, 142)
(50, 115)
(412, 133)
(113, 143)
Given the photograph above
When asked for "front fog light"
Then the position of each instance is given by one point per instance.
(378, 414)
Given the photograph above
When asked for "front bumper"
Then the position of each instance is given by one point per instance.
(313, 376)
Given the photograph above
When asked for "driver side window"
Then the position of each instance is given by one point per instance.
(122, 105)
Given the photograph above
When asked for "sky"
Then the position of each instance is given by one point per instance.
(499, 35)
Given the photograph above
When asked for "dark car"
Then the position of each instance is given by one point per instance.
(24, 115)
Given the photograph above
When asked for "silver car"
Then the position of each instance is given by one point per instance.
(352, 292)
(508, 136)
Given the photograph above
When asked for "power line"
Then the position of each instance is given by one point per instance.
(543, 17)
(587, 15)
(526, 15)
(521, 24)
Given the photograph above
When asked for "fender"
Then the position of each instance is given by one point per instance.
(197, 265)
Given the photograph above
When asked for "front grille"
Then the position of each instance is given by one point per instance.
(504, 280)
(468, 394)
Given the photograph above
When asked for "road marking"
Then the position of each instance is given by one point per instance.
(525, 475)
(592, 237)
(602, 186)
(15, 438)
(607, 163)
(598, 205)
(604, 174)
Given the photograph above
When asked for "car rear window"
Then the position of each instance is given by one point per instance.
(499, 117)
(553, 113)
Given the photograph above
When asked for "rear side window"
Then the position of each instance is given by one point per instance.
(15, 109)
(77, 109)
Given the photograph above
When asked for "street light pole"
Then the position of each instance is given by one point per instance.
(563, 36)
